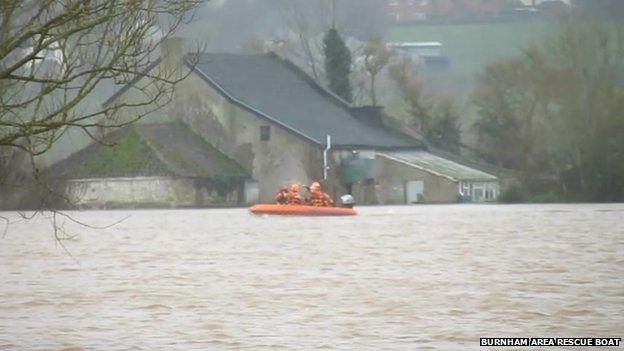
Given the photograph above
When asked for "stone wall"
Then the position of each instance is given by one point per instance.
(146, 192)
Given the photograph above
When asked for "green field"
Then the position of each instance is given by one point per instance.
(470, 46)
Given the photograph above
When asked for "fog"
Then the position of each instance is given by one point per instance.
(231, 25)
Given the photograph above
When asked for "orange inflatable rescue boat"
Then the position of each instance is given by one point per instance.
(301, 210)
(290, 203)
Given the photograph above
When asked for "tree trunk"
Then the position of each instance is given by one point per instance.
(373, 95)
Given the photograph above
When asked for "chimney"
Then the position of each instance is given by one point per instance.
(172, 53)
(277, 46)
(368, 114)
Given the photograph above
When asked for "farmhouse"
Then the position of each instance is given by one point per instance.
(282, 127)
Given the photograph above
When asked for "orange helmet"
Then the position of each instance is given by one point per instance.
(315, 186)
(294, 187)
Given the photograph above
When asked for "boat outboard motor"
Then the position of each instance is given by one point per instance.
(347, 201)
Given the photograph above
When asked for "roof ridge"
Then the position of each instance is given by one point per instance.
(337, 100)
(157, 152)
(131, 83)
(472, 162)
(301, 105)
(165, 146)
(229, 96)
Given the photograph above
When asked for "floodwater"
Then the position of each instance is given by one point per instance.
(393, 278)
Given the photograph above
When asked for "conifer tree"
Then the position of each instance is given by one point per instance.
(337, 64)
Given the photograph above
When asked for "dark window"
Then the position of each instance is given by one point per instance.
(265, 133)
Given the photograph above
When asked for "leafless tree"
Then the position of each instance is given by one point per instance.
(302, 19)
(376, 57)
(57, 56)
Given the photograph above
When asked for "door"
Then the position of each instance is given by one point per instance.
(414, 191)
(252, 192)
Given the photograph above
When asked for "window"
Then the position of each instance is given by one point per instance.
(265, 133)
(478, 192)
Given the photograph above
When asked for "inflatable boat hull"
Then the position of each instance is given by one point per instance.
(301, 210)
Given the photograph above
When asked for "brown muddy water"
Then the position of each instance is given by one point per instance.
(393, 278)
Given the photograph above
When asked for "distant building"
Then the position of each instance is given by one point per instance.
(273, 120)
(403, 11)
(537, 2)
(427, 54)
(409, 10)
(474, 185)
(415, 50)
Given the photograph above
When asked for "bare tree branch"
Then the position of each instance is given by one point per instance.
(57, 60)
(55, 54)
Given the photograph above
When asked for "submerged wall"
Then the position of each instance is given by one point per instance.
(146, 192)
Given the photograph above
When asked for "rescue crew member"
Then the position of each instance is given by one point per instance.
(294, 198)
(282, 195)
(318, 197)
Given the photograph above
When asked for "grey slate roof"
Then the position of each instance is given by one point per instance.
(276, 90)
(438, 165)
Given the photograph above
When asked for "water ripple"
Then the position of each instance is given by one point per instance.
(393, 278)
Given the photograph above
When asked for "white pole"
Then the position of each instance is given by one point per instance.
(325, 165)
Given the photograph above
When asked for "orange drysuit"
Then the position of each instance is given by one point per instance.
(294, 198)
(318, 197)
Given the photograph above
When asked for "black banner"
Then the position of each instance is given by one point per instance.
(528, 342)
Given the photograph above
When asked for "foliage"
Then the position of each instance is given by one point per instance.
(512, 195)
(436, 119)
(539, 194)
(555, 112)
(376, 57)
(443, 130)
(337, 64)
(548, 197)
(507, 101)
